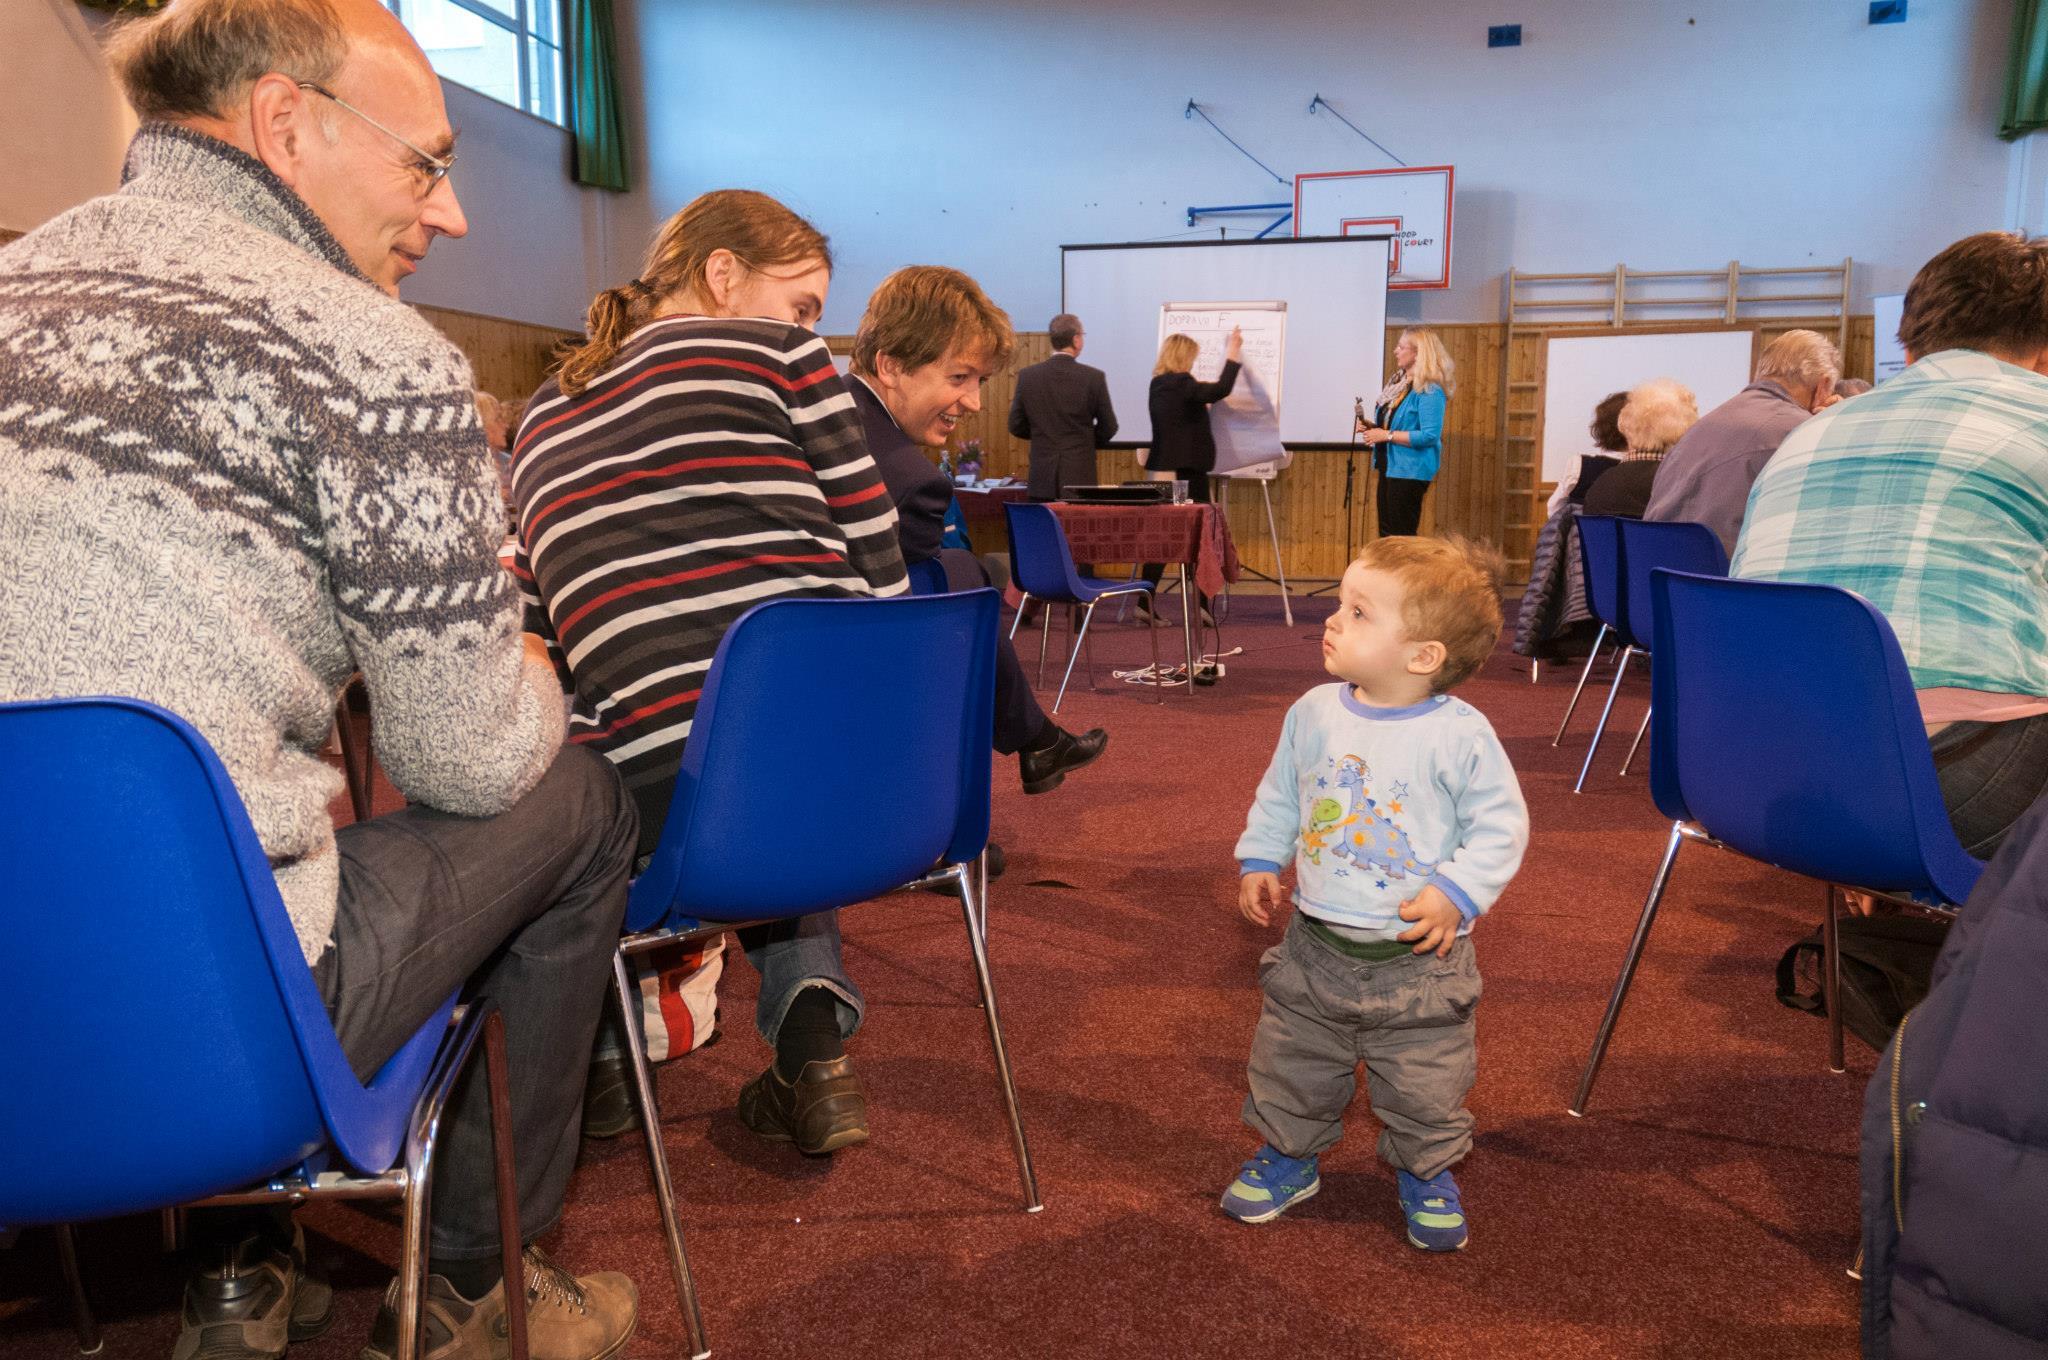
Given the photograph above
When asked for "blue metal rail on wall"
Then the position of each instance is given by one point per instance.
(1286, 211)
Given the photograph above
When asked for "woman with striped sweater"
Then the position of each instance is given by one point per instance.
(697, 455)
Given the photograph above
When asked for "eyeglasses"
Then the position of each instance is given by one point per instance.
(432, 168)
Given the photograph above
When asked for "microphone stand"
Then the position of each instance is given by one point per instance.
(1350, 477)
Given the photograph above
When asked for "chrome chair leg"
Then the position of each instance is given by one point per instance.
(423, 1136)
(664, 1189)
(1577, 689)
(981, 892)
(82, 1320)
(1087, 616)
(1831, 976)
(1188, 609)
(1019, 617)
(1158, 675)
(1029, 1177)
(1628, 973)
(657, 1157)
(1044, 636)
(173, 1224)
(1641, 728)
(1855, 1271)
(1600, 728)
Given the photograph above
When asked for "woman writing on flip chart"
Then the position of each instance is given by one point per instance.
(1406, 431)
(1183, 446)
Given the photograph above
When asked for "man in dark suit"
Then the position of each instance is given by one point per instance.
(1062, 407)
(928, 342)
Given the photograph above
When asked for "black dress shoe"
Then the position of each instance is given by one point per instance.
(608, 1108)
(1042, 770)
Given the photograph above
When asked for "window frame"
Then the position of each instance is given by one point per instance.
(525, 37)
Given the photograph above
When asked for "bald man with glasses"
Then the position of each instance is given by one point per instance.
(235, 470)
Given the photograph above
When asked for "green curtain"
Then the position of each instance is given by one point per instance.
(594, 122)
(2026, 80)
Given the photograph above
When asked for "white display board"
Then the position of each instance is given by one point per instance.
(1580, 370)
(1335, 291)
(1246, 424)
(1412, 203)
(1890, 355)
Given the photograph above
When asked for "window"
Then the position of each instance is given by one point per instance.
(510, 50)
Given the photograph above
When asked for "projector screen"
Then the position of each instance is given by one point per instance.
(1580, 369)
(1335, 288)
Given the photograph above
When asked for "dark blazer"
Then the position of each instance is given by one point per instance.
(921, 493)
(1062, 407)
(1181, 438)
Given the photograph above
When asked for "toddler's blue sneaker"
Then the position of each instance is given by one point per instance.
(1270, 1184)
(1436, 1220)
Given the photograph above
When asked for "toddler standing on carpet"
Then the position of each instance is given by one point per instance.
(1404, 821)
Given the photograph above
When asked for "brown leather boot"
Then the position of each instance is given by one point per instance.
(822, 1111)
(567, 1318)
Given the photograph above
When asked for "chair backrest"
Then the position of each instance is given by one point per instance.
(1651, 545)
(926, 577)
(840, 749)
(1783, 721)
(164, 1037)
(1041, 564)
(1600, 566)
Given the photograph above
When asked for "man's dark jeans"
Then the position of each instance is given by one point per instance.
(525, 907)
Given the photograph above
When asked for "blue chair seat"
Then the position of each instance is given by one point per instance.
(1042, 567)
(853, 736)
(1786, 729)
(153, 990)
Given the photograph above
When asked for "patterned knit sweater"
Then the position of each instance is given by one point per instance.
(232, 472)
(715, 464)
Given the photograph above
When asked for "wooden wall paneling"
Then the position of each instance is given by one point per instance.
(510, 357)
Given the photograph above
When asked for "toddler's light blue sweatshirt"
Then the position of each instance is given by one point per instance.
(1372, 804)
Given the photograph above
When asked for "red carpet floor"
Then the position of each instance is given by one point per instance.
(1704, 1207)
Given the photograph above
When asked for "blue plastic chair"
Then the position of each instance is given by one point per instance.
(1787, 730)
(926, 577)
(1600, 570)
(1042, 567)
(166, 1044)
(1654, 545)
(855, 735)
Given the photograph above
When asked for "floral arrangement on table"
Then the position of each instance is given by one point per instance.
(967, 462)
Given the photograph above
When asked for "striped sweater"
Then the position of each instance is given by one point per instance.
(717, 463)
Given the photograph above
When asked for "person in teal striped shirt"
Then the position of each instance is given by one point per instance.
(1929, 497)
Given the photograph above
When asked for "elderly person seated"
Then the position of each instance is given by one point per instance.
(1554, 601)
(1608, 444)
(1658, 414)
(1707, 476)
(1928, 496)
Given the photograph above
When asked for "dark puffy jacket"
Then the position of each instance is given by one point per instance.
(1967, 1279)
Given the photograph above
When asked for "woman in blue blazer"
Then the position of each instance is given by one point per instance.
(1406, 433)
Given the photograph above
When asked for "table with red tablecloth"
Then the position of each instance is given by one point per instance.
(1195, 536)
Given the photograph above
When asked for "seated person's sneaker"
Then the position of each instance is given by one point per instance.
(1043, 769)
(822, 1111)
(1436, 1218)
(268, 1299)
(567, 1318)
(1270, 1184)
